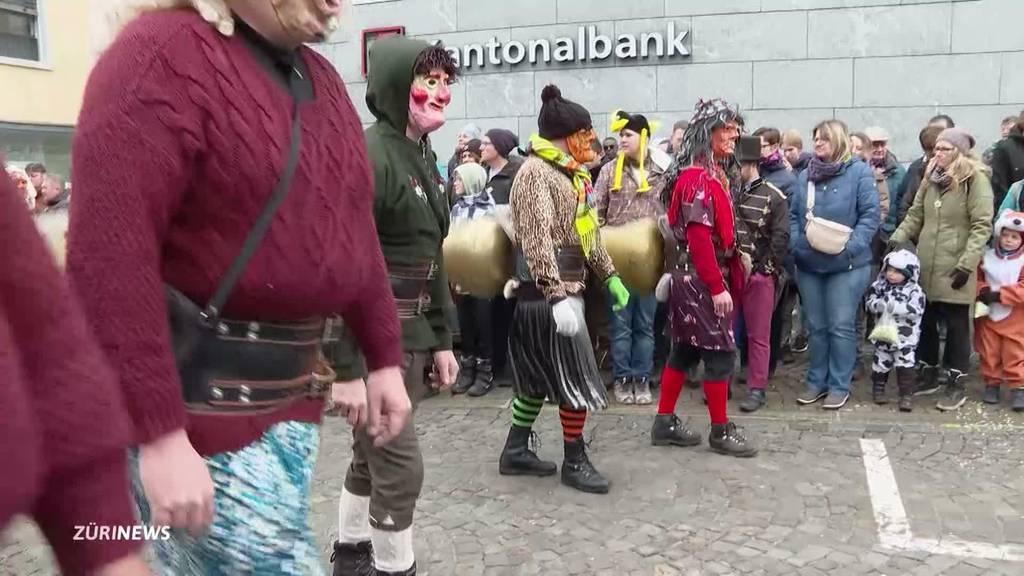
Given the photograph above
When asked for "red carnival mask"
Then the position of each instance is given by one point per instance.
(428, 97)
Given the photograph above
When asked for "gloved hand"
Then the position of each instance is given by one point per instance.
(664, 288)
(566, 322)
(960, 277)
(988, 296)
(618, 292)
(509, 291)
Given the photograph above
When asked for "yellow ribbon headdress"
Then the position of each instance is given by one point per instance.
(620, 121)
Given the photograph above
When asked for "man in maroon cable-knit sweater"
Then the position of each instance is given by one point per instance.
(202, 120)
(64, 428)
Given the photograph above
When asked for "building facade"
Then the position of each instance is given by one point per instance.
(786, 63)
(44, 62)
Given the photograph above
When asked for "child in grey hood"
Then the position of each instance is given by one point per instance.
(898, 294)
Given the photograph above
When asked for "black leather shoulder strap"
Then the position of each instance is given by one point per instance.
(213, 309)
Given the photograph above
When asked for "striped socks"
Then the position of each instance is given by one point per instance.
(525, 411)
(572, 422)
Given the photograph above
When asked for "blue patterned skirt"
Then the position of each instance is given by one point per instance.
(261, 516)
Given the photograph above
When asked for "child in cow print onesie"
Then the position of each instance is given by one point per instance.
(897, 292)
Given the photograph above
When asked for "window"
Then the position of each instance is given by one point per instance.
(19, 30)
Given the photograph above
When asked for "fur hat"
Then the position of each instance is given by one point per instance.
(1009, 220)
(559, 117)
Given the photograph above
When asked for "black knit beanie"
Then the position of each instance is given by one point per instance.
(504, 141)
(559, 117)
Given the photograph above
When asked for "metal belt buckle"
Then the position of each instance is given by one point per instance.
(319, 383)
(422, 303)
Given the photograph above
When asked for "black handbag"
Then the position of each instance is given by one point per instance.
(209, 350)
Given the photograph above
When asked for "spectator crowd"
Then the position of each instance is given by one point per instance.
(901, 300)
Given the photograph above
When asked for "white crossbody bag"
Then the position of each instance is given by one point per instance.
(822, 234)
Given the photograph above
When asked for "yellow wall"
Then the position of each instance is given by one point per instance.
(51, 96)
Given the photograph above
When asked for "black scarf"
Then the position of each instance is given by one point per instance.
(818, 170)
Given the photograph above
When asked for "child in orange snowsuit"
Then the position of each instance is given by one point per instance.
(999, 330)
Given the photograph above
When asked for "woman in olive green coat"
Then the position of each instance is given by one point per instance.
(951, 223)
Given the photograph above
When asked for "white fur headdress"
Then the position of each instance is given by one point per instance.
(1009, 220)
(111, 16)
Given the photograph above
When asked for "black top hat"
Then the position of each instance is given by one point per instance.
(748, 149)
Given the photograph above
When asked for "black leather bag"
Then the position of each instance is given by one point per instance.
(207, 347)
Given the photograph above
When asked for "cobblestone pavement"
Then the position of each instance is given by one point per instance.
(801, 507)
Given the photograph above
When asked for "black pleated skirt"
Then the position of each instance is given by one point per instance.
(547, 365)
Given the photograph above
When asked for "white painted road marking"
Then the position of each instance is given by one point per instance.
(894, 526)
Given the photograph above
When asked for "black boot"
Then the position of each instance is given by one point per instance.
(725, 439)
(956, 392)
(927, 381)
(578, 472)
(754, 400)
(906, 380)
(518, 460)
(467, 375)
(668, 430)
(878, 382)
(484, 381)
(353, 559)
(991, 394)
(1018, 399)
(409, 572)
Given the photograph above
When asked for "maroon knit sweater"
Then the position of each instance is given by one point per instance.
(64, 429)
(180, 142)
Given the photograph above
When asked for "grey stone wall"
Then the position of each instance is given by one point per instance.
(787, 63)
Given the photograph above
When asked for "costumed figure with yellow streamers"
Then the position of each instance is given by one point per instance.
(557, 238)
(628, 207)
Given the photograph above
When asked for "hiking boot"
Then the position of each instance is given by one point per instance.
(623, 390)
(1018, 399)
(835, 400)
(409, 572)
(927, 381)
(754, 400)
(878, 382)
(668, 430)
(906, 379)
(725, 439)
(991, 395)
(467, 375)
(484, 380)
(353, 559)
(518, 460)
(799, 344)
(956, 393)
(642, 391)
(811, 396)
(578, 472)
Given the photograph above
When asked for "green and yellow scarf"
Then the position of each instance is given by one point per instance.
(586, 218)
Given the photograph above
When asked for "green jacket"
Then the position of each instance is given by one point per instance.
(951, 229)
(410, 208)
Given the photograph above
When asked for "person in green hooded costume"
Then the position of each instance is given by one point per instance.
(407, 91)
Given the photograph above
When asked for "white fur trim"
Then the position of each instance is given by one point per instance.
(392, 551)
(353, 518)
(1000, 272)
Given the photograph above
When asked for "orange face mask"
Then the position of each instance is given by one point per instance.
(579, 145)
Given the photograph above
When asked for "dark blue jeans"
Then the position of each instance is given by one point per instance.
(830, 303)
(632, 335)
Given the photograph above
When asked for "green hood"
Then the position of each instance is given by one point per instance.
(387, 89)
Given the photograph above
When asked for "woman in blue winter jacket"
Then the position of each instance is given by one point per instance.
(833, 258)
